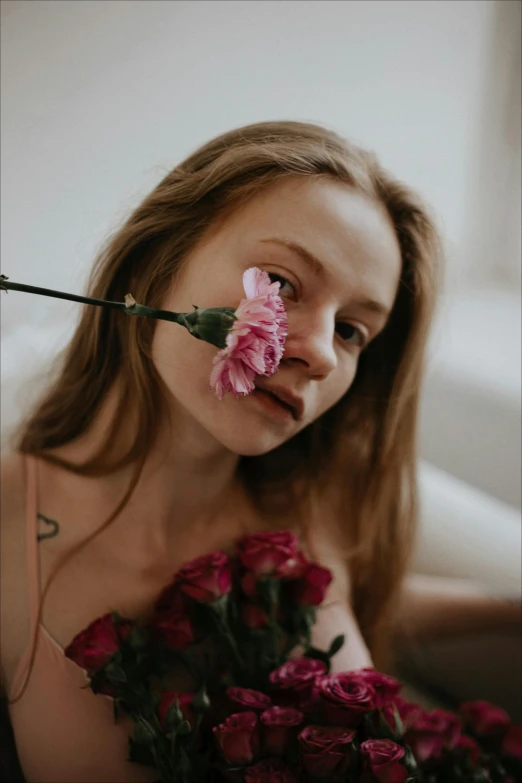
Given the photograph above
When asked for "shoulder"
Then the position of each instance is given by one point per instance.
(13, 568)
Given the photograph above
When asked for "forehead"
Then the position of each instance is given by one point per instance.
(350, 233)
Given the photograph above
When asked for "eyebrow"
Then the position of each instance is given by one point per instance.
(318, 268)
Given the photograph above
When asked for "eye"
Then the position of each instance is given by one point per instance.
(283, 282)
(350, 334)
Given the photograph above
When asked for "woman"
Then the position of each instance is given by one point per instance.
(131, 465)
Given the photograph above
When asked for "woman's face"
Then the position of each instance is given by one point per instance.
(335, 253)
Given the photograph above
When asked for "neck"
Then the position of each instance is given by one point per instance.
(188, 481)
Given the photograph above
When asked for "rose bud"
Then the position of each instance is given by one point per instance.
(346, 698)
(270, 771)
(271, 553)
(295, 680)
(248, 699)
(175, 631)
(310, 588)
(93, 648)
(467, 746)
(432, 731)
(185, 706)
(280, 727)
(254, 616)
(171, 600)
(238, 738)
(384, 686)
(383, 760)
(512, 742)
(484, 718)
(324, 750)
(206, 579)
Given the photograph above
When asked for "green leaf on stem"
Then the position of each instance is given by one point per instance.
(336, 645)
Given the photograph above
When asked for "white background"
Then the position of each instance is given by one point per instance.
(101, 98)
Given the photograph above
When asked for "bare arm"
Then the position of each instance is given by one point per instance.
(435, 607)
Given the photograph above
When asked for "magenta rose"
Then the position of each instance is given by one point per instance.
(484, 718)
(93, 648)
(248, 699)
(324, 750)
(270, 771)
(346, 698)
(382, 759)
(174, 630)
(238, 738)
(170, 622)
(310, 588)
(206, 579)
(407, 711)
(468, 747)
(295, 681)
(432, 731)
(185, 705)
(171, 600)
(385, 687)
(254, 616)
(512, 742)
(279, 729)
(267, 553)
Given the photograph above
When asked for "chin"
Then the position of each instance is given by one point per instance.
(253, 444)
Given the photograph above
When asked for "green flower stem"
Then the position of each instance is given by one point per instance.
(209, 324)
(219, 611)
(133, 309)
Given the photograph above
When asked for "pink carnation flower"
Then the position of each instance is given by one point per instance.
(255, 343)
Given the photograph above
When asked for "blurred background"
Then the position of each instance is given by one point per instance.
(101, 99)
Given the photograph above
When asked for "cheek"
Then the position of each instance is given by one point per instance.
(337, 384)
(180, 359)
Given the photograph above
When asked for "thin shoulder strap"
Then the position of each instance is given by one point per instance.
(33, 564)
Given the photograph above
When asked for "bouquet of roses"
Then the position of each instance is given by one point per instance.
(221, 682)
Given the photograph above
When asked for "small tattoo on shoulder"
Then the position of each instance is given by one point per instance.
(52, 530)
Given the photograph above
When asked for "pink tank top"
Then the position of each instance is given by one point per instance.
(63, 732)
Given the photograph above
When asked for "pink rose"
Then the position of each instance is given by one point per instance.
(295, 680)
(271, 553)
(484, 718)
(346, 698)
(385, 687)
(383, 760)
(206, 579)
(238, 738)
(310, 588)
(467, 746)
(248, 699)
(512, 742)
(270, 771)
(279, 728)
(93, 648)
(432, 731)
(185, 705)
(324, 750)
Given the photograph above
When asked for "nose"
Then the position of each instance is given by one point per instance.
(310, 342)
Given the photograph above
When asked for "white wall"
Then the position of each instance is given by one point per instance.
(100, 99)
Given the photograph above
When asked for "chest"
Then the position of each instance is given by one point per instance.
(110, 576)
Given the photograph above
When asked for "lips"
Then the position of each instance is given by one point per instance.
(287, 397)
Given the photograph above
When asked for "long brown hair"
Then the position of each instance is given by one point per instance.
(366, 443)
